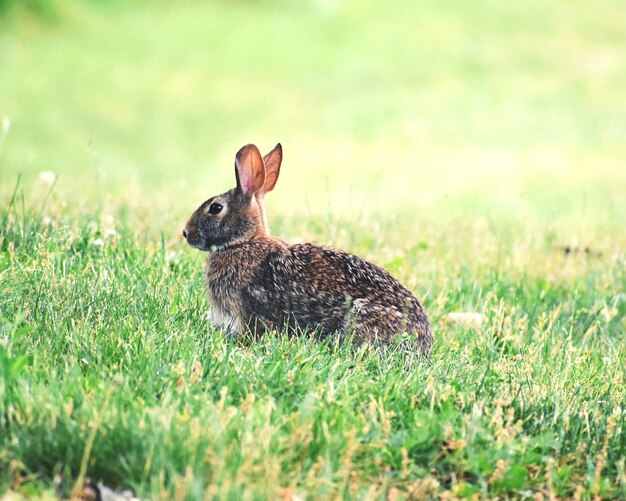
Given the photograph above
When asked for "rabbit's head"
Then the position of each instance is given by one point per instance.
(238, 215)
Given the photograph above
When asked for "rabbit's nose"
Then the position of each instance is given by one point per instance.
(185, 233)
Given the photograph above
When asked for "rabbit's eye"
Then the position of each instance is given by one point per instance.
(215, 208)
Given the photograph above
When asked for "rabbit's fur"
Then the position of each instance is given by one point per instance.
(257, 282)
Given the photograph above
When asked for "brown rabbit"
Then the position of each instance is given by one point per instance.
(257, 282)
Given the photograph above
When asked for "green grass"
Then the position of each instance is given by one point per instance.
(461, 146)
(529, 402)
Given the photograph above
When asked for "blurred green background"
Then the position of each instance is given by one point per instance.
(496, 108)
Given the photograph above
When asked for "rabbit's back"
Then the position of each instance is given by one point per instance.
(329, 290)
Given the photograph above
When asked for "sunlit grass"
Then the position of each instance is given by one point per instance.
(529, 401)
(475, 151)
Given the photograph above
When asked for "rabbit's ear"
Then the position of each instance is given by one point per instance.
(272, 167)
(249, 170)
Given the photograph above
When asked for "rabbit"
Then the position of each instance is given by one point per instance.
(258, 283)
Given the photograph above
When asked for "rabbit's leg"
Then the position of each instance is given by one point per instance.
(387, 325)
(370, 321)
(363, 321)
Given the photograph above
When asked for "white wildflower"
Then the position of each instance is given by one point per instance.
(464, 318)
(173, 257)
(108, 220)
(47, 177)
(98, 242)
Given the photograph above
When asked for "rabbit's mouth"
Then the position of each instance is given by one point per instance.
(198, 243)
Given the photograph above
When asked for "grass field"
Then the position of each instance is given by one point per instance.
(476, 150)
